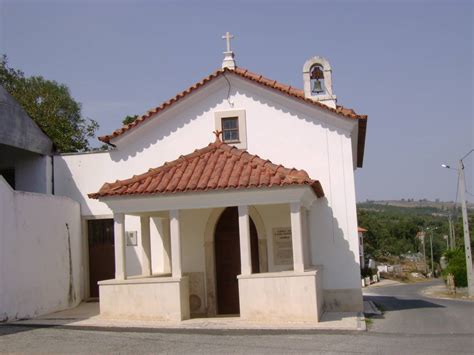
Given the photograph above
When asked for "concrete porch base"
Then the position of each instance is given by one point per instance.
(281, 296)
(153, 298)
(87, 316)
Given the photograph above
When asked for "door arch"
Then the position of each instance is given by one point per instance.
(227, 259)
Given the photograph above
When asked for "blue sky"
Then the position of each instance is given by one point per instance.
(406, 64)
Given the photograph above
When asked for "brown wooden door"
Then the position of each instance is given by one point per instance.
(101, 252)
(227, 256)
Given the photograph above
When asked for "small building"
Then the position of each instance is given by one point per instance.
(25, 150)
(40, 233)
(234, 197)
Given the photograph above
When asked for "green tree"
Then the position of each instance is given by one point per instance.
(51, 106)
(392, 230)
(457, 266)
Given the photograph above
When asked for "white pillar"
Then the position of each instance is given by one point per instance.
(145, 261)
(306, 236)
(164, 231)
(175, 236)
(119, 246)
(297, 236)
(244, 234)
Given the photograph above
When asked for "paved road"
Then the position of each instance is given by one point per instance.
(56, 340)
(407, 311)
(406, 327)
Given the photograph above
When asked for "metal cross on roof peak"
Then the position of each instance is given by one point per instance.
(228, 37)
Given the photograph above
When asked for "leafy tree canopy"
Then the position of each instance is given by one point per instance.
(392, 230)
(51, 106)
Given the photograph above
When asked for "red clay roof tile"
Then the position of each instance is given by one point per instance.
(218, 166)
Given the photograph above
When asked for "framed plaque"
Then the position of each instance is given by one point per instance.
(282, 247)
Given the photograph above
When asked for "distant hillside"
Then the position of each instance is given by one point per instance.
(392, 226)
(423, 206)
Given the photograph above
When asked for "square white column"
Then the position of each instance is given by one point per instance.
(306, 236)
(244, 234)
(163, 226)
(145, 261)
(297, 236)
(175, 236)
(119, 246)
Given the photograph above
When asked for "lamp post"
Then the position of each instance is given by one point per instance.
(467, 238)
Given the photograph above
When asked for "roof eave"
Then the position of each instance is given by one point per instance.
(361, 140)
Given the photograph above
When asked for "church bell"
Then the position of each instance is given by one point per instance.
(317, 86)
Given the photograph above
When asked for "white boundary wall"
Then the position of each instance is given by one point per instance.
(40, 270)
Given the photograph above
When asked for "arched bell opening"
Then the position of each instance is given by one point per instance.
(317, 80)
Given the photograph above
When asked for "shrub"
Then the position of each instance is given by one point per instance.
(456, 266)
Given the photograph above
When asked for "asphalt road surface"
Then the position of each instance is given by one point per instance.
(411, 324)
(407, 311)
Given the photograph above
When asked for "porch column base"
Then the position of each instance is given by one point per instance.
(282, 296)
(160, 298)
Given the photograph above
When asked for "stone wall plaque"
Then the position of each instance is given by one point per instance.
(282, 247)
(131, 237)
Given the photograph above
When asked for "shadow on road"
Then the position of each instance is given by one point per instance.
(390, 303)
(7, 329)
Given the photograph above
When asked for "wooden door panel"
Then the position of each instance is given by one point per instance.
(227, 257)
(101, 252)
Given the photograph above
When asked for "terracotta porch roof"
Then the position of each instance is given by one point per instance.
(218, 166)
(362, 230)
(261, 80)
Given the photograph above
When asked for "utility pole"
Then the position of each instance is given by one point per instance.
(430, 230)
(422, 237)
(431, 247)
(467, 239)
(450, 227)
(452, 234)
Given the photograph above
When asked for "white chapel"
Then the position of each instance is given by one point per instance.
(234, 197)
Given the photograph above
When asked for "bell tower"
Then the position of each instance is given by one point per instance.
(318, 81)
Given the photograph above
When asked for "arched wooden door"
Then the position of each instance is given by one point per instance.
(227, 257)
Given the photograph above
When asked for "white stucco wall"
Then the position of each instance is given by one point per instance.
(279, 128)
(33, 174)
(35, 269)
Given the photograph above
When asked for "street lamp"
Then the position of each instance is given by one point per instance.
(467, 239)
